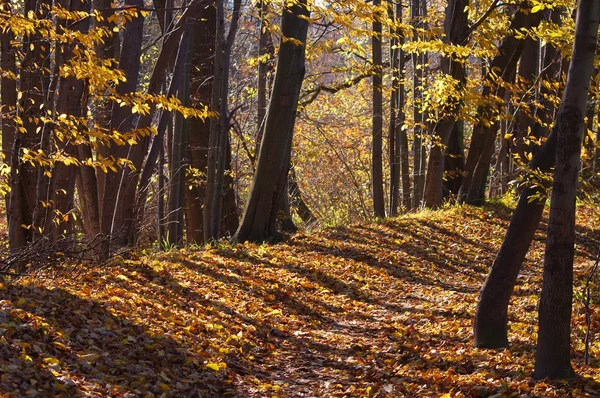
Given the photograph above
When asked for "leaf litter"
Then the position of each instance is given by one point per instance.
(380, 310)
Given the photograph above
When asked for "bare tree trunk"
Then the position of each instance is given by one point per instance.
(377, 150)
(201, 88)
(9, 96)
(259, 222)
(396, 108)
(266, 51)
(418, 130)
(553, 354)
(454, 161)
(219, 134)
(177, 162)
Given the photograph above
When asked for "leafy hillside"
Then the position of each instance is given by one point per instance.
(368, 310)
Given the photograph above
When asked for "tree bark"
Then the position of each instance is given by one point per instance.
(491, 318)
(8, 89)
(219, 134)
(502, 67)
(553, 354)
(377, 133)
(112, 219)
(456, 28)
(259, 222)
(201, 89)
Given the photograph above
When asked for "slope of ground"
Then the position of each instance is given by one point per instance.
(378, 310)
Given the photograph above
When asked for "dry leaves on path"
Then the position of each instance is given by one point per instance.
(368, 310)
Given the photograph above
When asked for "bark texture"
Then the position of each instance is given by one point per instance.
(259, 222)
(553, 354)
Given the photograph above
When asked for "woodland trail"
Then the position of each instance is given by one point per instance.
(362, 311)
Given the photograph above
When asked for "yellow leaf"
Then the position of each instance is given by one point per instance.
(213, 366)
(164, 387)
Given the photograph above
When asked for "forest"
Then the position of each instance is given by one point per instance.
(273, 198)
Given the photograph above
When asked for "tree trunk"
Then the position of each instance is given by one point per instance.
(396, 108)
(259, 220)
(34, 83)
(553, 354)
(491, 319)
(9, 96)
(456, 28)
(418, 131)
(377, 150)
(201, 89)
(177, 162)
(502, 67)
(266, 51)
(219, 132)
(112, 219)
(454, 161)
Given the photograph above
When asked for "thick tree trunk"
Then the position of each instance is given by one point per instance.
(201, 89)
(259, 222)
(34, 85)
(502, 67)
(178, 163)
(108, 49)
(377, 134)
(72, 100)
(553, 354)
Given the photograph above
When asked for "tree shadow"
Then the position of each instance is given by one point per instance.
(56, 343)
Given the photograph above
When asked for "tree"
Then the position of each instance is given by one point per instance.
(259, 221)
(377, 151)
(553, 352)
(491, 318)
(457, 32)
(485, 131)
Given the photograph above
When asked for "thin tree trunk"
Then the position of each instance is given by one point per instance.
(177, 162)
(553, 354)
(219, 134)
(9, 95)
(377, 150)
(418, 131)
(396, 107)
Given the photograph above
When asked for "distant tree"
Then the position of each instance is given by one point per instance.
(553, 354)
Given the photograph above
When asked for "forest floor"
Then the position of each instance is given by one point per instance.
(380, 310)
